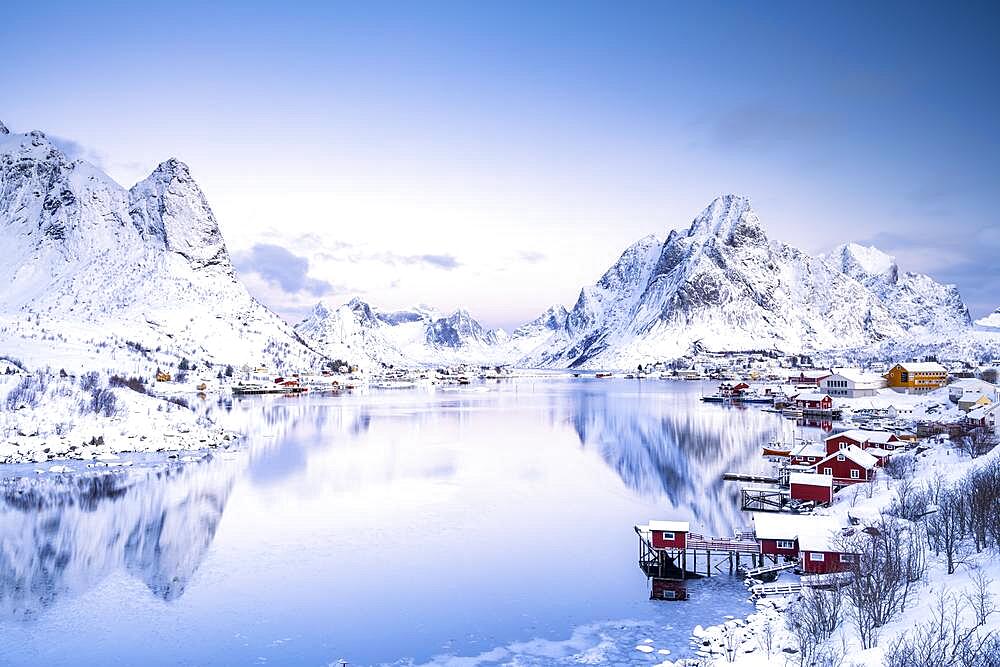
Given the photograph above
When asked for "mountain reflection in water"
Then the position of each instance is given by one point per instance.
(301, 531)
(61, 537)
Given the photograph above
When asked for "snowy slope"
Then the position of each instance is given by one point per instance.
(357, 333)
(90, 265)
(724, 285)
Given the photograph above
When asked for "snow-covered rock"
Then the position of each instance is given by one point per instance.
(359, 333)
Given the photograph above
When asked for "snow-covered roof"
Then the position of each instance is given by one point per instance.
(922, 367)
(809, 374)
(820, 540)
(810, 479)
(809, 449)
(982, 411)
(670, 526)
(856, 454)
(775, 526)
(812, 396)
(862, 435)
(857, 376)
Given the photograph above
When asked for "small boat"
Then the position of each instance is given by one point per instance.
(604, 375)
(630, 376)
(773, 450)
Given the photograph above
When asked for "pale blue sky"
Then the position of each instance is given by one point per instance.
(499, 156)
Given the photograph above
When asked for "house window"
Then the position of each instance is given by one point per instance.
(904, 376)
(669, 595)
(827, 471)
(846, 558)
(669, 536)
(843, 445)
(816, 556)
(855, 474)
(840, 457)
(786, 544)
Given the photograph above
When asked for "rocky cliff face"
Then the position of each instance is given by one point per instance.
(85, 257)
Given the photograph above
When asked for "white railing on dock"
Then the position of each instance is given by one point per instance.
(763, 590)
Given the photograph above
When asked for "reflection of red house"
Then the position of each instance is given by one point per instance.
(669, 534)
(813, 401)
(863, 440)
(849, 466)
(806, 486)
(667, 589)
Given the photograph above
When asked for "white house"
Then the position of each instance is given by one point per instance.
(851, 383)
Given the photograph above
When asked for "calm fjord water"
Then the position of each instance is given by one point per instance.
(399, 527)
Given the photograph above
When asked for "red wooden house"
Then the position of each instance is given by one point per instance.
(669, 534)
(822, 555)
(806, 486)
(849, 466)
(807, 454)
(814, 401)
(778, 534)
(808, 377)
(863, 440)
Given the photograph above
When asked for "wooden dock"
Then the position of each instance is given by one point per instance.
(746, 477)
(763, 499)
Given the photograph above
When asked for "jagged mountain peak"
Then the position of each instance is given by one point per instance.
(3, 128)
(730, 218)
(865, 263)
(169, 206)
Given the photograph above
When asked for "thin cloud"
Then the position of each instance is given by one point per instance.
(281, 267)
(74, 150)
(532, 257)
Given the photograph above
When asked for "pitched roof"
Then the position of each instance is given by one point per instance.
(922, 367)
(670, 526)
(809, 449)
(858, 376)
(812, 396)
(774, 526)
(810, 479)
(863, 435)
(853, 453)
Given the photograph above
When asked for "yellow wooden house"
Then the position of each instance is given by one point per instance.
(915, 377)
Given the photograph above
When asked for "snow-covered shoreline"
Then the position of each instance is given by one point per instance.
(48, 418)
(766, 635)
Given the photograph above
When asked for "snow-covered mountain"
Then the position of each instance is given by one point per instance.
(358, 333)
(89, 265)
(724, 285)
(915, 300)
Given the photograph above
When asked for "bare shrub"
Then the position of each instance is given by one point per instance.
(944, 641)
(889, 560)
(900, 466)
(89, 381)
(134, 383)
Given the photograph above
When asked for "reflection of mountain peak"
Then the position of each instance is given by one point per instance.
(65, 536)
(679, 455)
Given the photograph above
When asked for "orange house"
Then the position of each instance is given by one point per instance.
(917, 377)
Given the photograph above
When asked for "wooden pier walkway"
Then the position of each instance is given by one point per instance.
(746, 477)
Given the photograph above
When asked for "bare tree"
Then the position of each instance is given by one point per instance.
(980, 598)
(946, 529)
(889, 559)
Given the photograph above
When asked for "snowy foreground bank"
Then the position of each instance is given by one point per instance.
(938, 513)
(45, 418)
